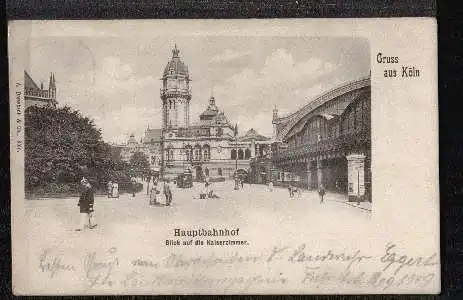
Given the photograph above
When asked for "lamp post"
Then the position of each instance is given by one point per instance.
(236, 156)
(161, 171)
(236, 146)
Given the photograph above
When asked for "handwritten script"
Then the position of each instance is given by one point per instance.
(392, 269)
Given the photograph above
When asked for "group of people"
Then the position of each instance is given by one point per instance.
(207, 191)
(156, 190)
(112, 189)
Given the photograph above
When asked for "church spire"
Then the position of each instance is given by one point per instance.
(50, 83)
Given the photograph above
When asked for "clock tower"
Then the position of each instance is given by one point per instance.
(175, 93)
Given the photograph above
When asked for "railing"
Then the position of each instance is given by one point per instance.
(185, 92)
(323, 146)
(193, 133)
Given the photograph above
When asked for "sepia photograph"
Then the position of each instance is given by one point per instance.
(172, 162)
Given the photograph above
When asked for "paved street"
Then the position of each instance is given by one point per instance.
(135, 229)
(252, 208)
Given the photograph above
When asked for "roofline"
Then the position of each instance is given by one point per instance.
(327, 96)
(291, 120)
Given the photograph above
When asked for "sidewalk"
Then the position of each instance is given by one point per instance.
(343, 199)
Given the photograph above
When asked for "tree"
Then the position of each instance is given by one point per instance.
(61, 146)
(139, 163)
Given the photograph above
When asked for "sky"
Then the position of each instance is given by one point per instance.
(116, 82)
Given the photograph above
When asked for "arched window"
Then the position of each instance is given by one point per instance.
(197, 153)
(188, 153)
(233, 154)
(206, 153)
(240, 154)
(247, 154)
(169, 153)
(219, 171)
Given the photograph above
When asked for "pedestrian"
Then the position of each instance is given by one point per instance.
(210, 191)
(86, 201)
(133, 186)
(270, 186)
(168, 192)
(109, 187)
(242, 183)
(115, 190)
(290, 189)
(153, 193)
(321, 192)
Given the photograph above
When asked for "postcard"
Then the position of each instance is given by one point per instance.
(290, 156)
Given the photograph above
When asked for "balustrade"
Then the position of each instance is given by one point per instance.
(325, 145)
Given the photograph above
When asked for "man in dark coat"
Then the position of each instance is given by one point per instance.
(321, 192)
(168, 192)
(86, 201)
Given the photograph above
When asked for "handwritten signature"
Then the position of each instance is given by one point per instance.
(400, 261)
(52, 264)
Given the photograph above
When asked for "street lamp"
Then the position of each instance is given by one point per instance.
(236, 156)
(161, 171)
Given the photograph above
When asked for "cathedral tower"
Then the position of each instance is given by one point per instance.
(175, 93)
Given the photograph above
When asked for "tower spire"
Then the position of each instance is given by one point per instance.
(212, 99)
(175, 51)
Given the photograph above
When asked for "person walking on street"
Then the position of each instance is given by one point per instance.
(153, 193)
(290, 189)
(168, 192)
(109, 187)
(270, 186)
(86, 201)
(133, 186)
(321, 192)
(115, 190)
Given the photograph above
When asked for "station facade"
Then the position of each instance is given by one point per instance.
(327, 142)
(208, 146)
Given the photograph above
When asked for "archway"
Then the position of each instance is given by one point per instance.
(233, 154)
(240, 154)
(199, 173)
(247, 154)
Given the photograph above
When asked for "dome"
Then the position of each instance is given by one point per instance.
(175, 66)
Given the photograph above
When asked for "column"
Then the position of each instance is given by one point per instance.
(253, 148)
(319, 172)
(176, 113)
(356, 177)
(309, 175)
